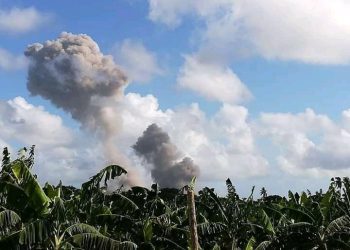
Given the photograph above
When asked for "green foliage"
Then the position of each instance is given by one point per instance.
(97, 241)
(106, 174)
(251, 243)
(36, 196)
(90, 217)
(33, 233)
(265, 222)
(8, 221)
(147, 231)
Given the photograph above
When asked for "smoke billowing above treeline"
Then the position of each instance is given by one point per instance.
(74, 75)
(156, 148)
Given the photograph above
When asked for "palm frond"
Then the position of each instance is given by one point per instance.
(250, 244)
(124, 203)
(208, 228)
(34, 232)
(36, 196)
(58, 211)
(216, 247)
(298, 214)
(80, 228)
(8, 220)
(217, 202)
(231, 191)
(263, 245)
(93, 241)
(173, 244)
(265, 221)
(114, 219)
(106, 174)
(338, 224)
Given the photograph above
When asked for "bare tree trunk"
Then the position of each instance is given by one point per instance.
(192, 220)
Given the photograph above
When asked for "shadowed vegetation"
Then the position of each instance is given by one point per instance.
(65, 217)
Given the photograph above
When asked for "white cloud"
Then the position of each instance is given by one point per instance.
(9, 61)
(311, 144)
(23, 20)
(171, 12)
(167, 12)
(223, 145)
(140, 63)
(307, 31)
(61, 152)
(213, 81)
(26, 123)
(226, 146)
(71, 155)
(3, 144)
(17, 20)
(73, 163)
(140, 111)
(229, 152)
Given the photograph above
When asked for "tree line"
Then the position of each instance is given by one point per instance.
(93, 217)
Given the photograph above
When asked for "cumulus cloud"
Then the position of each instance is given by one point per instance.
(222, 145)
(61, 152)
(17, 20)
(9, 61)
(205, 74)
(273, 29)
(20, 120)
(211, 80)
(138, 62)
(230, 146)
(311, 143)
(3, 144)
(171, 12)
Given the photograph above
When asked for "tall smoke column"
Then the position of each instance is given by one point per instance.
(155, 147)
(74, 75)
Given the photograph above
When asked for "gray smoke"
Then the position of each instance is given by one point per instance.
(155, 147)
(76, 76)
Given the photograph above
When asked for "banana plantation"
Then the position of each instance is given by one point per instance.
(93, 217)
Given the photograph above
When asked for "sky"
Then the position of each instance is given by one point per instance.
(255, 91)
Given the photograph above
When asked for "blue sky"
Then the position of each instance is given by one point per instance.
(252, 90)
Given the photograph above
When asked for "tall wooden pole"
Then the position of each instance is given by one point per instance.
(192, 219)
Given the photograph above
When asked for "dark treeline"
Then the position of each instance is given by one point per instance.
(65, 217)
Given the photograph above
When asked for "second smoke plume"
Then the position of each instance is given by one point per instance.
(155, 147)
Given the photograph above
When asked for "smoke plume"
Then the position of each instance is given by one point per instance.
(76, 76)
(155, 147)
